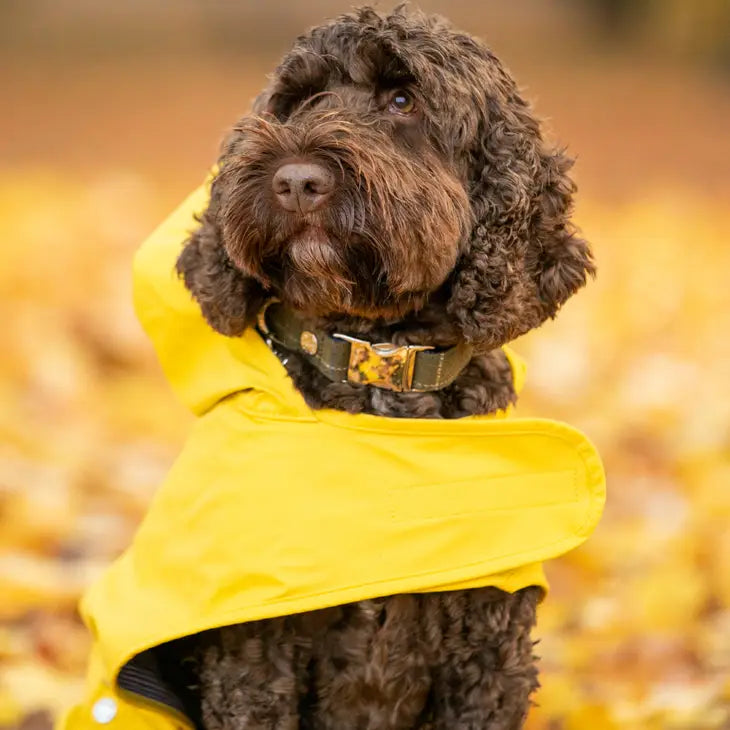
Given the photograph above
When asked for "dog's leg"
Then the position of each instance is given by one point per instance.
(251, 675)
(485, 670)
(371, 672)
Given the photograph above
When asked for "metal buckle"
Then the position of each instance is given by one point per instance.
(383, 364)
(261, 322)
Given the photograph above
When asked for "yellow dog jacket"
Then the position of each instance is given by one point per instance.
(273, 508)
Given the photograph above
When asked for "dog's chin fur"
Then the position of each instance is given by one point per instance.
(449, 225)
(315, 279)
(317, 284)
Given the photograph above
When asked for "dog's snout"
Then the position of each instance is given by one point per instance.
(302, 186)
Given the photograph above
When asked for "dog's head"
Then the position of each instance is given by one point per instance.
(392, 164)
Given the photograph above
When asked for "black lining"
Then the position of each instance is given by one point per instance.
(142, 676)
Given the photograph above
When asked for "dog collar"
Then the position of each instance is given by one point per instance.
(402, 368)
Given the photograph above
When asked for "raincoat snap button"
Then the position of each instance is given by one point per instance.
(104, 710)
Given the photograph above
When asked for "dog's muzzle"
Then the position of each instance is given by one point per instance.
(346, 359)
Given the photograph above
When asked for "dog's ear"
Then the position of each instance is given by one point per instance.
(523, 259)
(228, 299)
(558, 258)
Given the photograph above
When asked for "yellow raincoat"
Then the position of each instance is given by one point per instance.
(273, 508)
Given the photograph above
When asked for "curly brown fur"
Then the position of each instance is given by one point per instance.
(435, 661)
(448, 223)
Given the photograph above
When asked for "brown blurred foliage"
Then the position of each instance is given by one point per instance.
(112, 112)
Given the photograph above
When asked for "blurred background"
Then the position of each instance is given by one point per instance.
(112, 112)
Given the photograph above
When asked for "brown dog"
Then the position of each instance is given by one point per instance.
(391, 183)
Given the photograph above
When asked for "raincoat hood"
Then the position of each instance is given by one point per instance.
(273, 508)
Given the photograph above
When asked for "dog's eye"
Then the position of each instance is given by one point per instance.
(402, 102)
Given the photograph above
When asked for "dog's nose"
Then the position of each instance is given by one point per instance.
(302, 186)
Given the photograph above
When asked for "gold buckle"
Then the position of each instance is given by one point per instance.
(261, 322)
(383, 364)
